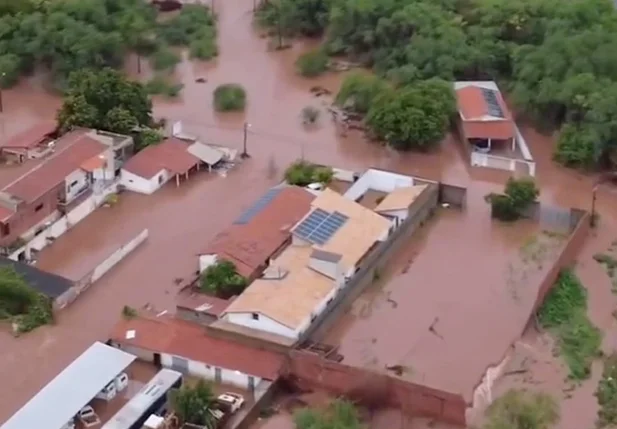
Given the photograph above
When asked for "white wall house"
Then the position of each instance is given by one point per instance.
(141, 184)
(377, 180)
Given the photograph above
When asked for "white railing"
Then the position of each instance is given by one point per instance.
(502, 163)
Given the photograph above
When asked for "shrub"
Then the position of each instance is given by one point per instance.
(310, 115)
(302, 173)
(229, 97)
(9, 64)
(203, 48)
(607, 393)
(159, 85)
(312, 63)
(359, 89)
(564, 313)
(518, 409)
(518, 195)
(164, 58)
(578, 146)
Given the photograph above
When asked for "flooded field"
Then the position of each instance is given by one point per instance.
(181, 220)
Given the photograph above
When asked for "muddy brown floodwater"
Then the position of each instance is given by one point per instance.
(181, 220)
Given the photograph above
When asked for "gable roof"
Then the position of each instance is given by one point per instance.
(191, 341)
(293, 297)
(261, 229)
(31, 137)
(475, 112)
(76, 147)
(400, 198)
(50, 285)
(171, 154)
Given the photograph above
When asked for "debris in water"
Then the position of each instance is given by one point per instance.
(201, 80)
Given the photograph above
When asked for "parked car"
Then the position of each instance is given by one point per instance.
(88, 417)
(108, 393)
(230, 402)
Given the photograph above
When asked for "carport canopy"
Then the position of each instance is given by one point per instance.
(206, 153)
(72, 389)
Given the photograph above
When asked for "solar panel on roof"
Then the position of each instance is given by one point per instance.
(494, 108)
(258, 206)
(320, 226)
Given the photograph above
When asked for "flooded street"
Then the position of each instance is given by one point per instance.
(181, 220)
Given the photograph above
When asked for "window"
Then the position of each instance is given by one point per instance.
(255, 316)
(6, 229)
(74, 183)
(38, 208)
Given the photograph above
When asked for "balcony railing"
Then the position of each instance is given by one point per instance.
(63, 202)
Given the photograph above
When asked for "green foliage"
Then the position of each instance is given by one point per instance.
(164, 58)
(129, 312)
(312, 63)
(359, 89)
(148, 137)
(222, 279)
(65, 36)
(9, 70)
(104, 100)
(193, 404)
(578, 146)
(340, 414)
(203, 46)
(191, 23)
(519, 409)
(564, 313)
(21, 304)
(160, 85)
(415, 117)
(302, 173)
(556, 60)
(518, 195)
(607, 393)
(229, 97)
(295, 17)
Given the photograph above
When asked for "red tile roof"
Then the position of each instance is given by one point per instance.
(251, 244)
(171, 154)
(474, 110)
(31, 137)
(76, 148)
(191, 341)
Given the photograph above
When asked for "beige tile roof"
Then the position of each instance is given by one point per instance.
(293, 298)
(288, 300)
(358, 234)
(400, 198)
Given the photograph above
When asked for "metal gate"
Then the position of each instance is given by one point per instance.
(556, 219)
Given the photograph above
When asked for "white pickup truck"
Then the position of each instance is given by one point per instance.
(230, 402)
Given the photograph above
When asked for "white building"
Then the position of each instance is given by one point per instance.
(328, 247)
(187, 348)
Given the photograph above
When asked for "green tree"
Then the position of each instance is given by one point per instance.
(578, 146)
(105, 100)
(192, 404)
(9, 70)
(164, 58)
(359, 90)
(518, 409)
(302, 173)
(518, 195)
(312, 63)
(229, 97)
(415, 117)
(149, 137)
(222, 279)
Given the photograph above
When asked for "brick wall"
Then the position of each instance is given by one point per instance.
(566, 257)
(413, 399)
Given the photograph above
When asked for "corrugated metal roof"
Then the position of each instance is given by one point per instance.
(73, 388)
(206, 153)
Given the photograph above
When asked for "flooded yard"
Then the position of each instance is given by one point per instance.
(457, 294)
(457, 268)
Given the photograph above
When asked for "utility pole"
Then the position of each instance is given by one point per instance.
(1, 83)
(244, 153)
(592, 219)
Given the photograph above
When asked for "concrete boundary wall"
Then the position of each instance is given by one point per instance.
(101, 269)
(362, 385)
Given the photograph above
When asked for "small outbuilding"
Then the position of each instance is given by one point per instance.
(155, 165)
